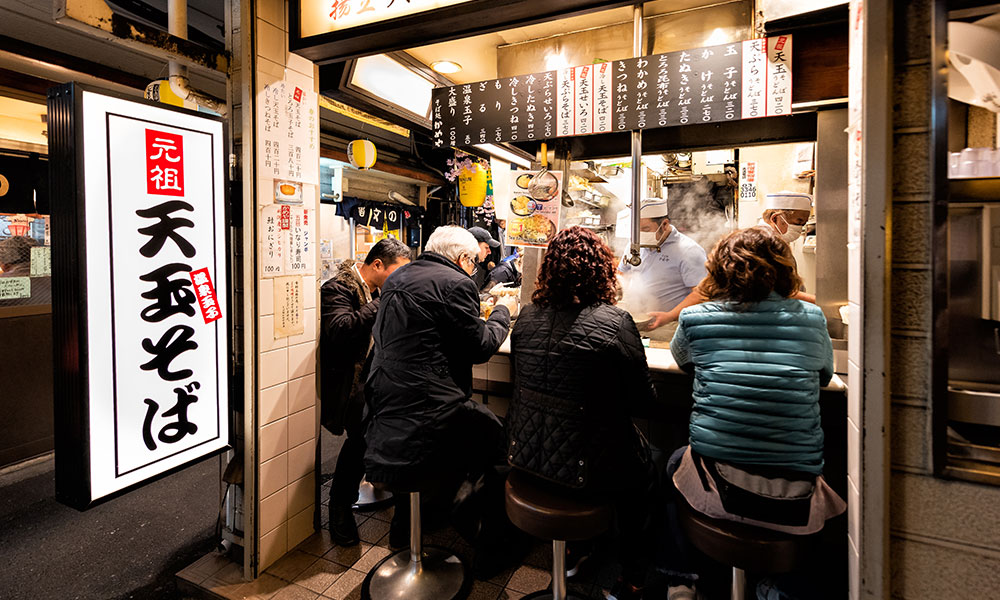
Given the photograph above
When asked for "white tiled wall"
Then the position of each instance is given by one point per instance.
(287, 405)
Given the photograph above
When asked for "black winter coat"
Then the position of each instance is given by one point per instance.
(428, 334)
(346, 322)
(579, 376)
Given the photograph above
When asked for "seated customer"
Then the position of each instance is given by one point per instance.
(507, 272)
(424, 425)
(580, 374)
(760, 357)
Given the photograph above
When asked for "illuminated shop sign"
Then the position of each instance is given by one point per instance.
(140, 282)
(324, 16)
(729, 82)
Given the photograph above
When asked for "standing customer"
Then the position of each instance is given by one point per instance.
(580, 375)
(484, 263)
(425, 429)
(349, 302)
(759, 356)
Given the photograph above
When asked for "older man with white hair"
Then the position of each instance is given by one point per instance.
(424, 425)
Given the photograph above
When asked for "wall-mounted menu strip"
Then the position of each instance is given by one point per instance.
(728, 82)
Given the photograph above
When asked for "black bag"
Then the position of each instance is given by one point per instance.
(778, 496)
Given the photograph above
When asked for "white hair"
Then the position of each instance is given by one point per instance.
(451, 242)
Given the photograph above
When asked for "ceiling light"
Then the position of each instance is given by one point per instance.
(506, 154)
(446, 66)
(394, 82)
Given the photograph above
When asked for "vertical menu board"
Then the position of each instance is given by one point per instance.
(728, 82)
(500, 110)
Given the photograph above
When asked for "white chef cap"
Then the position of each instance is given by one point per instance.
(653, 208)
(788, 201)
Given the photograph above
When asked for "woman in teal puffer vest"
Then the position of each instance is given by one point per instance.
(759, 358)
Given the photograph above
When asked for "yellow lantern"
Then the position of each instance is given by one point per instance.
(472, 185)
(361, 153)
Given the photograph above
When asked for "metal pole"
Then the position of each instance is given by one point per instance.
(634, 259)
(738, 591)
(558, 570)
(415, 534)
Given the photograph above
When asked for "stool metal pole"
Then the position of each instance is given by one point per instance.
(415, 533)
(739, 584)
(558, 570)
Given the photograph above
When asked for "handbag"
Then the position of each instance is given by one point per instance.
(767, 494)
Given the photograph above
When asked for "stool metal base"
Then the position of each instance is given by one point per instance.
(370, 498)
(439, 575)
(547, 595)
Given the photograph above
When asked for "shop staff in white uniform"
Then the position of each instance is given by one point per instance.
(667, 274)
(786, 213)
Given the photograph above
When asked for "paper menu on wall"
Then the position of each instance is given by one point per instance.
(299, 258)
(273, 241)
(288, 133)
(288, 313)
(286, 237)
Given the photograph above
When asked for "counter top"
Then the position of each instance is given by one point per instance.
(661, 360)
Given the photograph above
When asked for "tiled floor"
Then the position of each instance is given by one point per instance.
(319, 569)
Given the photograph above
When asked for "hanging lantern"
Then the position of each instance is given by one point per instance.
(472, 185)
(361, 153)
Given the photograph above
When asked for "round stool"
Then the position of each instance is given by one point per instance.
(371, 498)
(419, 573)
(744, 547)
(545, 514)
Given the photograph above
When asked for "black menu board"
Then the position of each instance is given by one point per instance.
(727, 82)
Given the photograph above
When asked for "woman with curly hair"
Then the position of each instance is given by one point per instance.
(580, 375)
(759, 358)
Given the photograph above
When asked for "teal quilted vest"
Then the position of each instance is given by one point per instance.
(758, 371)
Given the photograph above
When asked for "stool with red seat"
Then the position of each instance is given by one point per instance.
(539, 511)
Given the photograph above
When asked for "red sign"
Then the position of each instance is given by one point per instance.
(780, 44)
(297, 95)
(205, 291)
(285, 218)
(164, 163)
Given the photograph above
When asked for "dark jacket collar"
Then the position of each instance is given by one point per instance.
(438, 258)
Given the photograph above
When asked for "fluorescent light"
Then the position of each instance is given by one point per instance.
(446, 66)
(505, 154)
(395, 83)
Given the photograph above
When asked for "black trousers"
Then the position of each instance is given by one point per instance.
(350, 468)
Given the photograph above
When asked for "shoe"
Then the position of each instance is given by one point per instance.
(623, 591)
(576, 554)
(343, 527)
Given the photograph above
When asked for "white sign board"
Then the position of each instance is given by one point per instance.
(324, 16)
(155, 281)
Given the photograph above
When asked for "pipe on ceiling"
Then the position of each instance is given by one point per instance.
(177, 25)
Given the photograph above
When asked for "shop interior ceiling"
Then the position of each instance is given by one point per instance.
(28, 24)
(605, 35)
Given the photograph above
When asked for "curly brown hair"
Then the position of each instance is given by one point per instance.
(578, 270)
(747, 265)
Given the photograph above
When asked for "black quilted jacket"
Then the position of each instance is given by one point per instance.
(579, 377)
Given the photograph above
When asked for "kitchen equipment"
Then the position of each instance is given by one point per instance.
(544, 186)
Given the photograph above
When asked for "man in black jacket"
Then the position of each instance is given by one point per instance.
(424, 426)
(349, 304)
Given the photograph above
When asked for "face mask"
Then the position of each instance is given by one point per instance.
(647, 238)
(793, 232)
